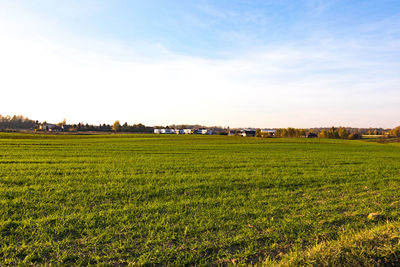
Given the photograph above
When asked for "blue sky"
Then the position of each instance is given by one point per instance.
(219, 28)
(229, 63)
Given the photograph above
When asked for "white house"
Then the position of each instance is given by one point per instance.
(181, 131)
(204, 131)
(188, 131)
(167, 131)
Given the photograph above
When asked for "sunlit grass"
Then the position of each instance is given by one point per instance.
(152, 199)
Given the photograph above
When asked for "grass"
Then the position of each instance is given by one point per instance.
(379, 246)
(185, 200)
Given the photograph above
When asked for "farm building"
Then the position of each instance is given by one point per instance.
(49, 127)
(173, 131)
(182, 131)
(248, 132)
(164, 131)
(203, 131)
(312, 135)
(271, 132)
(167, 131)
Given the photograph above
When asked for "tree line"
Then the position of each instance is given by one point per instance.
(290, 132)
(116, 127)
(16, 122)
(339, 133)
(395, 132)
(333, 133)
(135, 128)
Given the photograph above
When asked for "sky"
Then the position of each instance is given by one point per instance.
(236, 63)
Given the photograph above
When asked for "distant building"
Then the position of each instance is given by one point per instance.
(188, 131)
(66, 128)
(182, 131)
(49, 127)
(270, 132)
(167, 131)
(248, 132)
(179, 131)
(171, 131)
(312, 135)
(203, 131)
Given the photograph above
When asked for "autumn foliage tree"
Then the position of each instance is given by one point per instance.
(395, 132)
(323, 134)
(290, 132)
(116, 126)
(343, 133)
(62, 123)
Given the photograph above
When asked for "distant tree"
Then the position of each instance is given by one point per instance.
(258, 133)
(354, 136)
(16, 122)
(343, 133)
(90, 127)
(116, 126)
(323, 134)
(125, 127)
(140, 128)
(333, 133)
(62, 123)
(284, 133)
(278, 133)
(301, 133)
(395, 132)
(291, 132)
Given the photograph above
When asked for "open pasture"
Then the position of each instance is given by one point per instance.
(166, 199)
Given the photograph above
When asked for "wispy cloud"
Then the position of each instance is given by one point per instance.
(318, 7)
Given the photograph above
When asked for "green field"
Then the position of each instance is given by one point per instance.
(166, 199)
